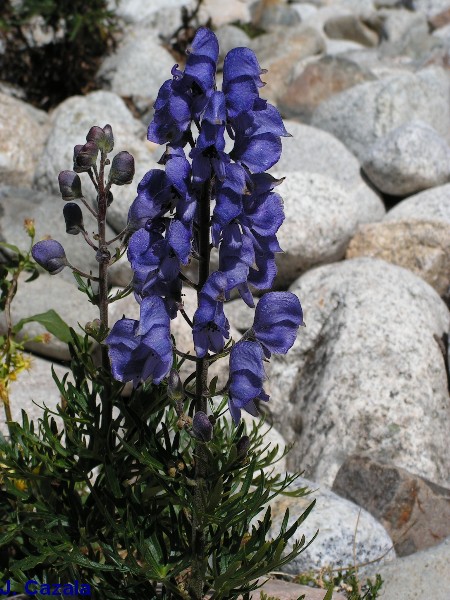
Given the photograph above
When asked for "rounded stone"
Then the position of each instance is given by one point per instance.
(367, 373)
(410, 158)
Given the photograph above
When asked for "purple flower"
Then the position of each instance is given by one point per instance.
(278, 316)
(155, 197)
(140, 350)
(246, 378)
(208, 156)
(185, 96)
(211, 326)
(50, 255)
(152, 259)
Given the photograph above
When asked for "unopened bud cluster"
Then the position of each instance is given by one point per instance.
(99, 143)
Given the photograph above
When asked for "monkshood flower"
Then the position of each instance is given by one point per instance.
(278, 315)
(246, 378)
(142, 350)
(50, 255)
(183, 98)
(211, 326)
(208, 156)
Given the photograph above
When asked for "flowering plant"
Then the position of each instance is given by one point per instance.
(173, 482)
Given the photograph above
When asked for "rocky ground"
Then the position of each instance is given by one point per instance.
(364, 86)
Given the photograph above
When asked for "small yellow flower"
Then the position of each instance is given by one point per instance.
(20, 484)
(29, 227)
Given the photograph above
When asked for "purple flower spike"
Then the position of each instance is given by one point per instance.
(278, 316)
(246, 378)
(50, 255)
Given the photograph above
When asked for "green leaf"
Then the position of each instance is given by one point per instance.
(11, 247)
(52, 323)
(329, 594)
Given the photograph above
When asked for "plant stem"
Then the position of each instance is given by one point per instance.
(199, 560)
(7, 346)
(103, 257)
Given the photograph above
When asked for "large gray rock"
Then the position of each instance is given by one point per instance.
(164, 15)
(22, 136)
(350, 27)
(280, 51)
(366, 112)
(321, 217)
(418, 577)
(33, 390)
(397, 24)
(423, 247)
(407, 33)
(139, 66)
(311, 150)
(40, 295)
(229, 37)
(222, 13)
(430, 8)
(415, 512)
(266, 15)
(18, 204)
(367, 373)
(70, 123)
(318, 81)
(407, 160)
(430, 205)
(343, 527)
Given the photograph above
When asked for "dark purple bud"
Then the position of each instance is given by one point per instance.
(70, 185)
(103, 138)
(175, 389)
(95, 134)
(50, 255)
(242, 446)
(122, 169)
(202, 427)
(73, 218)
(85, 157)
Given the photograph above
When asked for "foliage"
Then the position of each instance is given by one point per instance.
(117, 509)
(52, 48)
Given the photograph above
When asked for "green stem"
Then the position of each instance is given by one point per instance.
(199, 559)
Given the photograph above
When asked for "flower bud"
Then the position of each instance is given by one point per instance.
(85, 157)
(103, 138)
(122, 169)
(29, 227)
(73, 218)
(70, 185)
(242, 446)
(50, 255)
(93, 327)
(202, 427)
(175, 389)
(109, 139)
